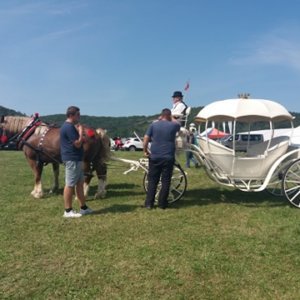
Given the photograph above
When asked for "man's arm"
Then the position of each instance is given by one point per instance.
(174, 119)
(78, 143)
(146, 141)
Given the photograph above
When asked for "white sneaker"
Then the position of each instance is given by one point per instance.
(87, 211)
(71, 214)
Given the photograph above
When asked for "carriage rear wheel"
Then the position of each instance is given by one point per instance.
(178, 184)
(291, 183)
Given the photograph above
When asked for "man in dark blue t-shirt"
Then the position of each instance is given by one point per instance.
(161, 134)
(71, 147)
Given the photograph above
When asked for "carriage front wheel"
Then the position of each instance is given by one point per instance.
(178, 184)
(291, 183)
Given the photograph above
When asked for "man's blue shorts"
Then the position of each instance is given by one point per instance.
(74, 173)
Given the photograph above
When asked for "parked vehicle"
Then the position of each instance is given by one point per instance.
(133, 144)
(242, 141)
(112, 144)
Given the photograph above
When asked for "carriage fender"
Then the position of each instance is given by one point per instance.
(273, 168)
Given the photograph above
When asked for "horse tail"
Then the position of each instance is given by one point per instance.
(104, 140)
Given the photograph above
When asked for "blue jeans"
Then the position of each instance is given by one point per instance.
(159, 168)
(190, 158)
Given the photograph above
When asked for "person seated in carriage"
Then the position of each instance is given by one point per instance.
(179, 107)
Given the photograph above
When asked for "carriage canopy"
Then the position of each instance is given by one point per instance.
(243, 110)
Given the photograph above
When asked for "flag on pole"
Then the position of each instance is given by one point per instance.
(187, 86)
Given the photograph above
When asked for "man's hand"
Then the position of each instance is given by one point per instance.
(146, 152)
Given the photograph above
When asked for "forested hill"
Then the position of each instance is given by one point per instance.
(117, 126)
(9, 112)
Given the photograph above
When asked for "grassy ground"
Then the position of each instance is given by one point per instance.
(215, 243)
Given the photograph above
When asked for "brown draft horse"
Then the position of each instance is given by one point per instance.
(41, 145)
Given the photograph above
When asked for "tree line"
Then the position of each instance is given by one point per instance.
(116, 126)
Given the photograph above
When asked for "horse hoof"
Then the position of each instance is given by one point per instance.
(37, 195)
(100, 195)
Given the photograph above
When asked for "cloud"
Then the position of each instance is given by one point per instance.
(43, 7)
(279, 48)
(61, 33)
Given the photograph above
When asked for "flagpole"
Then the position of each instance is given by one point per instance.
(186, 88)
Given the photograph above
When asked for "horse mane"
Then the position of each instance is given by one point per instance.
(15, 124)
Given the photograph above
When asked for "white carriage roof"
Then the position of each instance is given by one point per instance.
(248, 110)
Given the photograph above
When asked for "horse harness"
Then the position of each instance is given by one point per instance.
(27, 133)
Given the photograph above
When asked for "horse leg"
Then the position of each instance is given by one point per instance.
(86, 185)
(87, 177)
(101, 170)
(37, 169)
(55, 187)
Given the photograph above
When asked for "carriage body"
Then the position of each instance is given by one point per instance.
(272, 164)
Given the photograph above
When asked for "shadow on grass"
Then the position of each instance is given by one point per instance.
(117, 208)
(119, 190)
(48, 193)
(215, 196)
(191, 197)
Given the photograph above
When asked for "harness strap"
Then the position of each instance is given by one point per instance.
(40, 145)
(28, 131)
(184, 111)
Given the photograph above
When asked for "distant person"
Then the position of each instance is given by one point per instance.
(162, 135)
(118, 143)
(192, 139)
(179, 107)
(71, 146)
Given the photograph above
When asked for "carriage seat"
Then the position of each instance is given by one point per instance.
(219, 155)
(210, 146)
(256, 163)
(259, 160)
(183, 118)
(261, 148)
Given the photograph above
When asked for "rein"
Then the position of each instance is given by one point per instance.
(39, 150)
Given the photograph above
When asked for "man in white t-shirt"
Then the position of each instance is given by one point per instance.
(179, 107)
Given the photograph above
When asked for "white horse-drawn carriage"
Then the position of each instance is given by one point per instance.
(272, 164)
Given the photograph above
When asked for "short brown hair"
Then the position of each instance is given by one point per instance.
(166, 112)
(72, 110)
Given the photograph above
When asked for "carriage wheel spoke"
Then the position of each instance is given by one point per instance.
(296, 195)
(291, 183)
(177, 187)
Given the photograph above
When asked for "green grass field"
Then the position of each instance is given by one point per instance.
(215, 243)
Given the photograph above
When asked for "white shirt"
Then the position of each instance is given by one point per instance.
(178, 109)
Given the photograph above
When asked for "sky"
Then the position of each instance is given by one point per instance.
(127, 57)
